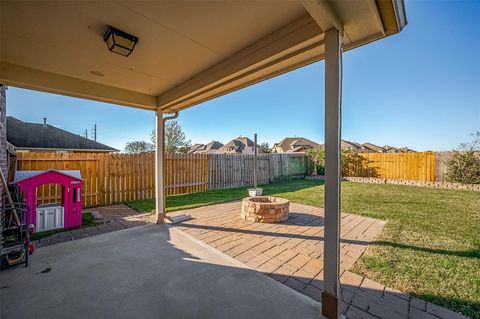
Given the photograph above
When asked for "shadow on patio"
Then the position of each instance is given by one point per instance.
(150, 271)
(157, 271)
(292, 254)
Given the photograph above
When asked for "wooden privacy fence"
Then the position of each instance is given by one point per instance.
(227, 170)
(116, 178)
(408, 166)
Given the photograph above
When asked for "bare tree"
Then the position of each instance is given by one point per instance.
(175, 140)
(265, 148)
(138, 147)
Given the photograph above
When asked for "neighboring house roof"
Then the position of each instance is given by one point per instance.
(406, 150)
(209, 148)
(351, 145)
(390, 149)
(369, 147)
(299, 149)
(33, 136)
(23, 175)
(239, 145)
(194, 148)
(372, 147)
(212, 147)
(294, 145)
(347, 145)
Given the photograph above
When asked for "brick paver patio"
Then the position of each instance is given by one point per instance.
(116, 217)
(292, 253)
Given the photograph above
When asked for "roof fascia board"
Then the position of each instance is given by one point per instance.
(289, 36)
(323, 14)
(34, 79)
(393, 15)
(241, 81)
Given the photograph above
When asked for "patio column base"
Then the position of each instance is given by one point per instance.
(161, 218)
(329, 305)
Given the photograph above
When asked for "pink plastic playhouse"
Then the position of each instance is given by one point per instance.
(66, 214)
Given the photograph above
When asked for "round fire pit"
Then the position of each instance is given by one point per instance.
(265, 209)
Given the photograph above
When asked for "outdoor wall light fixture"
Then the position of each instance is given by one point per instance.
(119, 41)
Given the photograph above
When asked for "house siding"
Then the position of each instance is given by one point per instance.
(3, 133)
(3, 145)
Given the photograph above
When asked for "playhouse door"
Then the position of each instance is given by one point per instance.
(73, 214)
(49, 217)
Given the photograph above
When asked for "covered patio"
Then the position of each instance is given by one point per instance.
(206, 267)
(150, 271)
(191, 52)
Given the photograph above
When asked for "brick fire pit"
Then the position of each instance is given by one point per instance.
(265, 209)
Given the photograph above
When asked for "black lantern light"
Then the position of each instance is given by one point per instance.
(119, 41)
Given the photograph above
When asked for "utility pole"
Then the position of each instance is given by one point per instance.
(94, 132)
(86, 133)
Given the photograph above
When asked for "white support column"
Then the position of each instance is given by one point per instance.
(159, 160)
(333, 119)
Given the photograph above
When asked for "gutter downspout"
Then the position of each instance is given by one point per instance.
(172, 117)
(165, 119)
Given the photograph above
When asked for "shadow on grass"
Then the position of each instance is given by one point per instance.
(472, 253)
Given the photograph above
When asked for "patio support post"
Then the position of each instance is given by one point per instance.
(333, 118)
(159, 161)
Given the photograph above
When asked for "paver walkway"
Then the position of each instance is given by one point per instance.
(116, 217)
(292, 253)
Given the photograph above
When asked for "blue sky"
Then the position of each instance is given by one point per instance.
(420, 88)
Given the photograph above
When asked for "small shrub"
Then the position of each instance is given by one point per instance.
(349, 158)
(317, 160)
(464, 166)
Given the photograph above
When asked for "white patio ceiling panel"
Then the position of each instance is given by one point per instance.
(188, 52)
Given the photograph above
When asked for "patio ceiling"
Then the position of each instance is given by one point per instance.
(188, 52)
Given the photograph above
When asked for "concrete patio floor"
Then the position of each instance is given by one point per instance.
(292, 253)
(115, 217)
(149, 271)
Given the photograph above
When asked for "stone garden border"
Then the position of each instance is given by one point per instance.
(371, 180)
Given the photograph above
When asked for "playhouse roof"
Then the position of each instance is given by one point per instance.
(23, 175)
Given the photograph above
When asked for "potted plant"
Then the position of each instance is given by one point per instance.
(252, 192)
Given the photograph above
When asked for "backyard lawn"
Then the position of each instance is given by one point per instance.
(429, 248)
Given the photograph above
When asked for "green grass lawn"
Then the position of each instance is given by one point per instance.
(429, 248)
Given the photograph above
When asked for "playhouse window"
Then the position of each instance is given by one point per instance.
(76, 194)
(49, 194)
